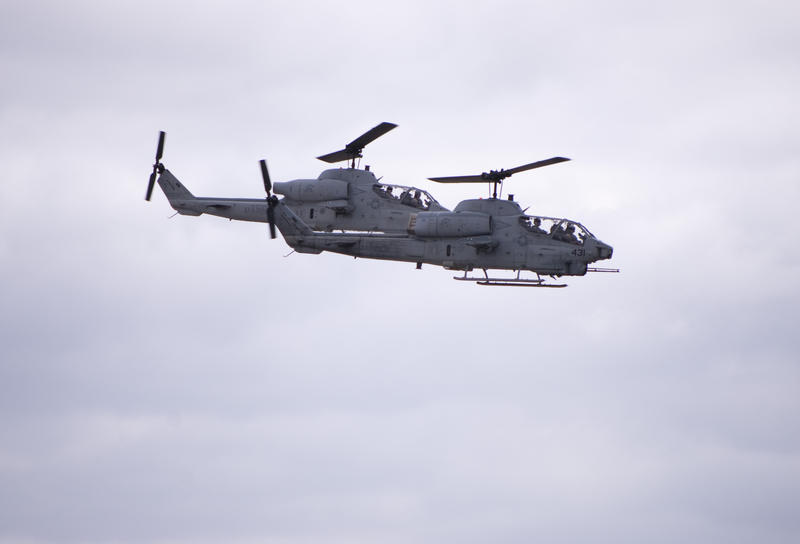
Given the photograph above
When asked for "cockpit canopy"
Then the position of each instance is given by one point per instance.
(563, 230)
(409, 196)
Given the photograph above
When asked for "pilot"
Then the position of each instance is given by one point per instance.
(417, 199)
(389, 191)
(569, 234)
(536, 227)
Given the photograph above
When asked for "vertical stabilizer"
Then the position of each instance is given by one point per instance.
(173, 188)
(289, 223)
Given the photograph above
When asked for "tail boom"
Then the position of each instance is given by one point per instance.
(185, 203)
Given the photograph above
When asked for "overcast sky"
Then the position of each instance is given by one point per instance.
(179, 380)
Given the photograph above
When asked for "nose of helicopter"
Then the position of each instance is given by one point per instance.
(604, 251)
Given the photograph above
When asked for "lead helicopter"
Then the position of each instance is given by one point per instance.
(408, 225)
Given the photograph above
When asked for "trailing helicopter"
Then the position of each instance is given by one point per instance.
(376, 223)
(349, 199)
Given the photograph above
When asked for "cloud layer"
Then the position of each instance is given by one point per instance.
(180, 380)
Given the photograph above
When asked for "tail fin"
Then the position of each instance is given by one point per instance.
(297, 234)
(173, 188)
(180, 198)
(289, 223)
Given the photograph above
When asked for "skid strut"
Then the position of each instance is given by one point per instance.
(509, 282)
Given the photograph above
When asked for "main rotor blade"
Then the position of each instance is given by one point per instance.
(461, 179)
(160, 151)
(265, 175)
(371, 135)
(537, 164)
(150, 186)
(353, 149)
(499, 175)
(337, 156)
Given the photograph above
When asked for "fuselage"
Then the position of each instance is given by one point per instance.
(482, 234)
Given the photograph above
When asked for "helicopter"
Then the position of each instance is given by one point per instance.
(483, 234)
(348, 199)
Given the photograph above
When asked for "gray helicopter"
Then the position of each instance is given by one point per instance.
(481, 234)
(347, 199)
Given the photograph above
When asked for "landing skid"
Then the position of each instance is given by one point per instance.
(509, 282)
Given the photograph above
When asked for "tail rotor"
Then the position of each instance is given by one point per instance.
(272, 200)
(157, 165)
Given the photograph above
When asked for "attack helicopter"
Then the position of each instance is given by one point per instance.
(410, 225)
(348, 199)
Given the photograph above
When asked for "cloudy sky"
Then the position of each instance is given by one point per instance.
(179, 380)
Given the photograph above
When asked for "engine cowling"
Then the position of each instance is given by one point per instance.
(449, 224)
(312, 190)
